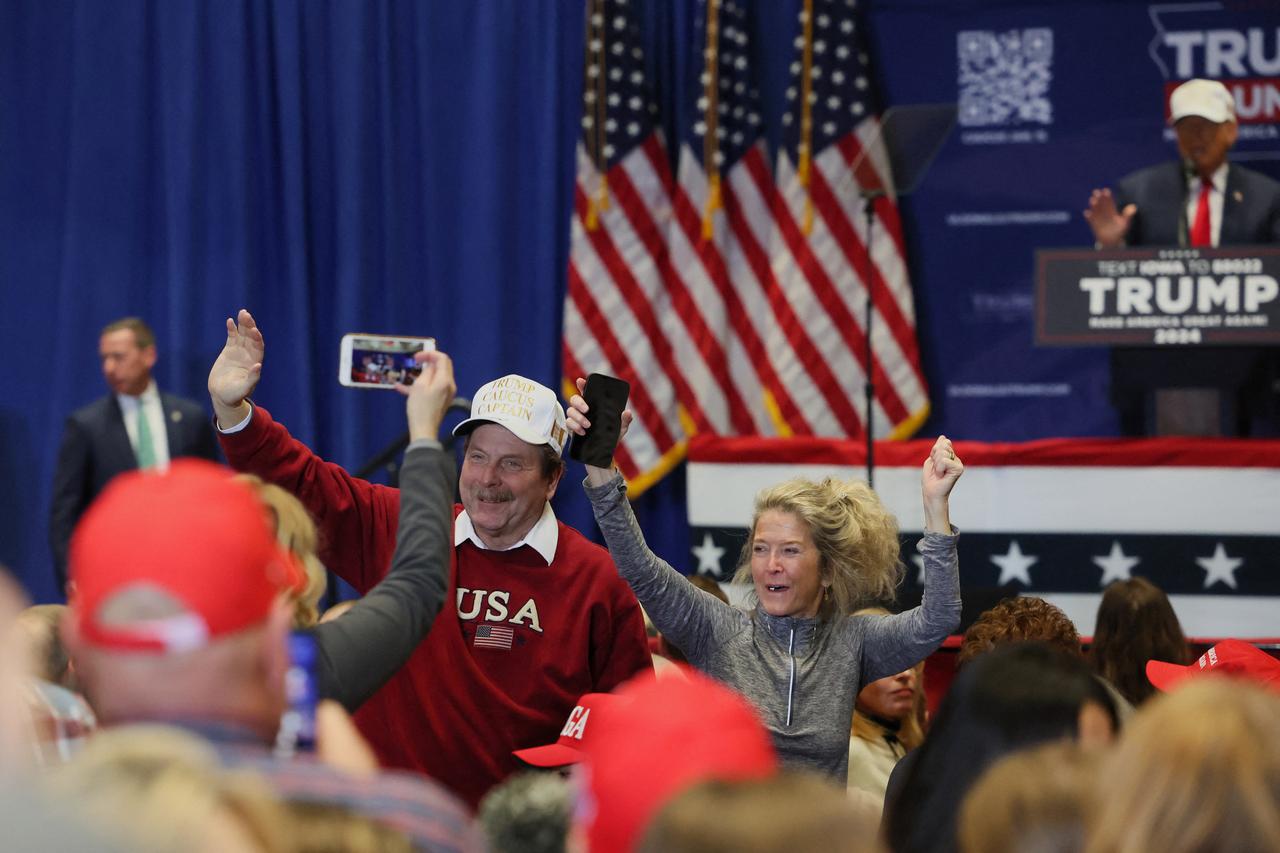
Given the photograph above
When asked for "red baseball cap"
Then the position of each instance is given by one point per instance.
(583, 719)
(194, 534)
(670, 734)
(1229, 657)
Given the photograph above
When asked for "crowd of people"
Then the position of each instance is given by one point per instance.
(494, 686)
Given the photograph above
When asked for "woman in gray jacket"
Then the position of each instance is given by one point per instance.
(815, 552)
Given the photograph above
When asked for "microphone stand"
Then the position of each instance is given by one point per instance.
(869, 210)
(911, 137)
(387, 458)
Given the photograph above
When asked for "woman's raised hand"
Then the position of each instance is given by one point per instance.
(939, 475)
(578, 422)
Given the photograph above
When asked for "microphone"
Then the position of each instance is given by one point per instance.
(1184, 227)
(459, 404)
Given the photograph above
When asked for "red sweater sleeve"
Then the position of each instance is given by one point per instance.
(357, 519)
(620, 649)
(619, 645)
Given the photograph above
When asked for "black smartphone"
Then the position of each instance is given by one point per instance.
(606, 398)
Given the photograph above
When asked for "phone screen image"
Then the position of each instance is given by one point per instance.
(378, 361)
(297, 732)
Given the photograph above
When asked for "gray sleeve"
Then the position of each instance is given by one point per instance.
(365, 646)
(891, 644)
(686, 615)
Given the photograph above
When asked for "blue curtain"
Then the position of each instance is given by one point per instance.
(407, 167)
(397, 167)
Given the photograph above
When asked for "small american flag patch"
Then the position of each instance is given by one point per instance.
(494, 637)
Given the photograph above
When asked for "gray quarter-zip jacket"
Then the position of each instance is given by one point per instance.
(803, 675)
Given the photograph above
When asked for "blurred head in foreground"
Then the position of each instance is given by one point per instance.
(178, 609)
(670, 734)
(158, 788)
(1197, 771)
(1009, 698)
(1032, 801)
(528, 813)
(789, 813)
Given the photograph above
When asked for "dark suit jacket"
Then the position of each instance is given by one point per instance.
(95, 448)
(1250, 216)
(1250, 207)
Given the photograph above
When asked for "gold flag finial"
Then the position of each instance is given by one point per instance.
(806, 118)
(596, 59)
(710, 140)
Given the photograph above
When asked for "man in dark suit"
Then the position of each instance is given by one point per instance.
(1198, 200)
(135, 426)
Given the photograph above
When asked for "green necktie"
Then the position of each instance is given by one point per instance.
(146, 450)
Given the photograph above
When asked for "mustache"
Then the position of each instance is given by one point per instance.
(494, 495)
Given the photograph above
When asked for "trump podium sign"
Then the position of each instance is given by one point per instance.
(1140, 297)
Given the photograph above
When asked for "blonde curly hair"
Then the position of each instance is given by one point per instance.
(295, 531)
(856, 538)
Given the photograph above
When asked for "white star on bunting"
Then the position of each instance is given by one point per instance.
(1014, 565)
(1219, 567)
(1116, 566)
(708, 554)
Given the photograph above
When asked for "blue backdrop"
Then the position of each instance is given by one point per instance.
(407, 167)
(1055, 98)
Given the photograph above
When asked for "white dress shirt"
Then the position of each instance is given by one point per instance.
(542, 537)
(1218, 182)
(149, 400)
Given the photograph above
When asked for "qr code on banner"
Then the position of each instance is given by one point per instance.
(1004, 77)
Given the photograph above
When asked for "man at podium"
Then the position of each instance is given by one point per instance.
(1198, 200)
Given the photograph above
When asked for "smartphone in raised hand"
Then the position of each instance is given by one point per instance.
(606, 398)
(380, 361)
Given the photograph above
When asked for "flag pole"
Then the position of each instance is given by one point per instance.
(710, 140)
(869, 208)
(806, 119)
(599, 200)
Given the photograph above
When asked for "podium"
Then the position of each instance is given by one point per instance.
(1189, 329)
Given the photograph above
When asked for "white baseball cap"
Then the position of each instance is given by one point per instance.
(528, 409)
(1205, 98)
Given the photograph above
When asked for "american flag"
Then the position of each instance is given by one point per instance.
(704, 293)
(624, 300)
(493, 637)
(747, 336)
(818, 245)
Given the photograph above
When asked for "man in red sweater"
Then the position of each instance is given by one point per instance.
(542, 616)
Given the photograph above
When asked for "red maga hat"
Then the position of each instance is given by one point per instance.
(670, 734)
(191, 533)
(1229, 657)
(582, 723)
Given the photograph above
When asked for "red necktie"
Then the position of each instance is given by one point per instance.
(1201, 233)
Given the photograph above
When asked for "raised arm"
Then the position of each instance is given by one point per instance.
(364, 647)
(357, 519)
(689, 617)
(938, 477)
(890, 644)
(237, 370)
